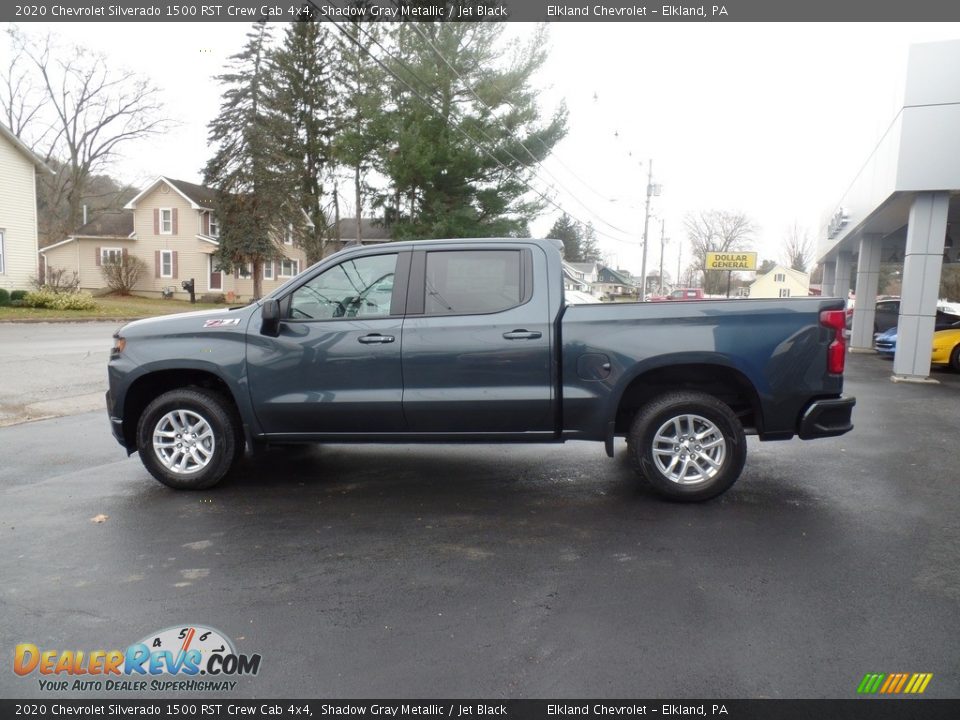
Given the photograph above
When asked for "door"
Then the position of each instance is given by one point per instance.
(477, 342)
(215, 276)
(335, 367)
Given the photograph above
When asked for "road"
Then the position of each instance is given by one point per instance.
(507, 571)
(52, 369)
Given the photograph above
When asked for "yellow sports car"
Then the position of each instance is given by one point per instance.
(946, 348)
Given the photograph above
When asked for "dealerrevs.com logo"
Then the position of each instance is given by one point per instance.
(182, 658)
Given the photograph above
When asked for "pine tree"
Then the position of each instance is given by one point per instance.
(305, 101)
(250, 170)
(568, 231)
(458, 91)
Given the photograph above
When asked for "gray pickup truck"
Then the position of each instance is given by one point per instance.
(471, 341)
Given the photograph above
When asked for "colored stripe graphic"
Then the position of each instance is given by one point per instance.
(894, 683)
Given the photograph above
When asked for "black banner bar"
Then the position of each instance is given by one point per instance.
(482, 10)
(277, 709)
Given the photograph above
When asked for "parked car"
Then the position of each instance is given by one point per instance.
(679, 294)
(946, 347)
(887, 315)
(945, 351)
(470, 341)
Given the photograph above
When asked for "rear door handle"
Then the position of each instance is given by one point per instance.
(523, 335)
(375, 339)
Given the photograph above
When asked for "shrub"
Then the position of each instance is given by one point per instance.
(4, 297)
(58, 280)
(59, 301)
(122, 276)
(17, 295)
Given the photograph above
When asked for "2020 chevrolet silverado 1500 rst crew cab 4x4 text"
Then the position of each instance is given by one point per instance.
(471, 340)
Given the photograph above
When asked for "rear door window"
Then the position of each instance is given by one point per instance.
(470, 282)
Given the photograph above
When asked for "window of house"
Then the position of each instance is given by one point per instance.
(166, 263)
(111, 255)
(358, 288)
(268, 271)
(780, 277)
(465, 282)
(784, 292)
(245, 271)
(214, 226)
(289, 268)
(166, 221)
(2, 265)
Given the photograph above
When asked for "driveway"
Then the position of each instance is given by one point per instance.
(506, 571)
(52, 369)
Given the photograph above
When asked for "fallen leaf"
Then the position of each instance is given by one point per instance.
(101, 518)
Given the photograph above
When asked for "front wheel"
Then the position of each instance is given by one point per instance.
(955, 358)
(187, 438)
(689, 445)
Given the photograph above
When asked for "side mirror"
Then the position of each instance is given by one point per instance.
(270, 317)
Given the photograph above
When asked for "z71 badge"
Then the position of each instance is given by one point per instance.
(221, 322)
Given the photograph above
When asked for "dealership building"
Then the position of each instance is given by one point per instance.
(904, 206)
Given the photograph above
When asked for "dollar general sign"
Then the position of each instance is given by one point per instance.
(731, 261)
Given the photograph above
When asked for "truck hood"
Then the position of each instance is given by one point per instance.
(190, 322)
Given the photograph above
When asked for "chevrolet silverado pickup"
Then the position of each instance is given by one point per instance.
(472, 341)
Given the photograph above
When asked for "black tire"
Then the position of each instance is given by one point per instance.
(661, 439)
(955, 358)
(205, 459)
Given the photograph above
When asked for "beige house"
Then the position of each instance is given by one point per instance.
(781, 282)
(171, 226)
(18, 211)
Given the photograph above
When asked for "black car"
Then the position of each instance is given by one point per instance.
(888, 313)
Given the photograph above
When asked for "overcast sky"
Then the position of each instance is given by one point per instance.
(773, 120)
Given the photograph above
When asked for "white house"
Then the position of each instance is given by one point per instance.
(781, 282)
(18, 211)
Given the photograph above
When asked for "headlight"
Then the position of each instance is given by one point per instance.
(119, 344)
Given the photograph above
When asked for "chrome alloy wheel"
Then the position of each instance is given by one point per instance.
(183, 441)
(689, 449)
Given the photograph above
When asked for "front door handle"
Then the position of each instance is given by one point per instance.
(375, 339)
(523, 335)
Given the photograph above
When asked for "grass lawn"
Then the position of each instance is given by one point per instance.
(109, 307)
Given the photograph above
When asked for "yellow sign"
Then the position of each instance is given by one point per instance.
(731, 261)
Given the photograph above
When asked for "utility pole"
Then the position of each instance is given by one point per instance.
(646, 223)
(679, 255)
(663, 242)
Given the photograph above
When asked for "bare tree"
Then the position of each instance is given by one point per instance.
(21, 99)
(716, 231)
(89, 110)
(798, 248)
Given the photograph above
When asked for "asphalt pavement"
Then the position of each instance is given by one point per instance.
(506, 571)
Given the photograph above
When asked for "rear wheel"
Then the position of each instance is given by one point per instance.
(955, 358)
(188, 438)
(688, 445)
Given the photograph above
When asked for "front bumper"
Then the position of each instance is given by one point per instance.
(116, 422)
(827, 418)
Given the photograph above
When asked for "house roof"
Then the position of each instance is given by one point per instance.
(584, 267)
(370, 229)
(609, 275)
(108, 223)
(199, 197)
(27, 152)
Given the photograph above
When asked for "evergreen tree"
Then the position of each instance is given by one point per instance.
(304, 100)
(477, 94)
(589, 249)
(250, 171)
(568, 231)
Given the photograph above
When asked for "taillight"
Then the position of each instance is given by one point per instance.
(837, 351)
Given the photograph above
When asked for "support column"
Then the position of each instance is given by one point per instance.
(921, 284)
(829, 278)
(842, 281)
(868, 278)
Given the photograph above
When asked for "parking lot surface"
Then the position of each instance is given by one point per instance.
(507, 571)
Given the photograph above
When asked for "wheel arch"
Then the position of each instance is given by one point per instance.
(151, 385)
(722, 381)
